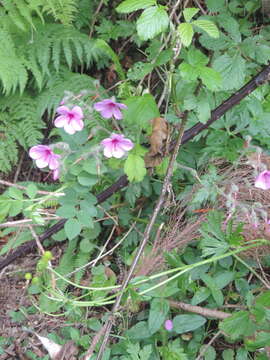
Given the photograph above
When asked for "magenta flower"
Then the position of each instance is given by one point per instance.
(44, 156)
(168, 325)
(70, 120)
(263, 180)
(116, 146)
(56, 173)
(109, 108)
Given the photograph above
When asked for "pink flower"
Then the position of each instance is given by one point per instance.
(168, 325)
(44, 156)
(263, 180)
(116, 146)
(56, 173)
(70, 120)
(109, 108)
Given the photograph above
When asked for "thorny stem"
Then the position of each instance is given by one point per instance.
(149, 227)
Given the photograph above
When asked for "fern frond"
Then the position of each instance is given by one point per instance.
(62, 10)
(12, 72)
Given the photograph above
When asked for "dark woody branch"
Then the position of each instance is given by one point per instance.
(261, 78)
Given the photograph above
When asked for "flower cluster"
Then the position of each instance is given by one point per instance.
(72, 121)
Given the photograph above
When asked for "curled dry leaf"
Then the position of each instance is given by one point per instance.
(59, 352)
(157, 140)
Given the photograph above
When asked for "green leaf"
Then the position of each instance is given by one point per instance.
(141, 109)
(261, 340)
(158, 311)
(88, 208)
(208, 26)
(86, 246)
(66, 211)
(216, 6)
(210, 78)
(203, 109)
(31, 191)
(212, 285)
(85, 219)
(196, 58)
(72, 228)
(152, 21)
(232, 70)
(85, 179)
(128, 6)
(15, 193)
(134, 168)
(186, 33)
(237, 325)
(189, 13)
(228, 354)
(185, 323)
(139, 331)
(15, 207)
(189, 72)
(200, 295)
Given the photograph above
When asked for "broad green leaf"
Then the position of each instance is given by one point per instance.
(88, 208)
(158, 311)
(200, 295)
(203, 109)
(128, 6)
(15, 207)
(139, 331)
(152, 21)
(196, 58)
(210, 78)
(85, 219)
(262, 339)
(185, 323)
(215, 6)
(212, 285)
(15, 193)
(232, 70)
(210, 353)
(228, 354)
(208, 26)
(189, 13)
(186, 33)
(230, 25)
(188, 72)
(86, 179)
(31, 191)
(86, 246)
(66, 211)
(72, 228)
(141, 109)
(237, 325)
(134, 168)
(224, 278)
(139, 70)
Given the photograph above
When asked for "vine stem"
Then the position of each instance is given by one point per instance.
(108, 325)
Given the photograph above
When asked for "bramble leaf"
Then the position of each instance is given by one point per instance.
(128, 6)
(186, 33)
(152, 21)
(208, 26)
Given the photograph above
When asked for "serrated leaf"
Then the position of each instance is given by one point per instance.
(31, 191)
(215, 6)
(152, 21)
(188, 72)
(185, 323)
(186, 33)
(72, 228)
(158, 311)
(210, 78)
(128, 6)
(140, 110)
(208, 26)
(189, 13)
(232, 70)
(15, 193)
(237, 325)
(134, 168)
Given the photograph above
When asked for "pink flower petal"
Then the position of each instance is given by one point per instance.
(126, 144)
(108, 151)
(117, 113)
(60, 121)
(41, 163)
(69, 129)
(56, 174)
(77, 124)
(53, 162)
(118, 152)
(63, 110)
(121, 106)
(263, 180)
(77, 112)
(107, 112)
